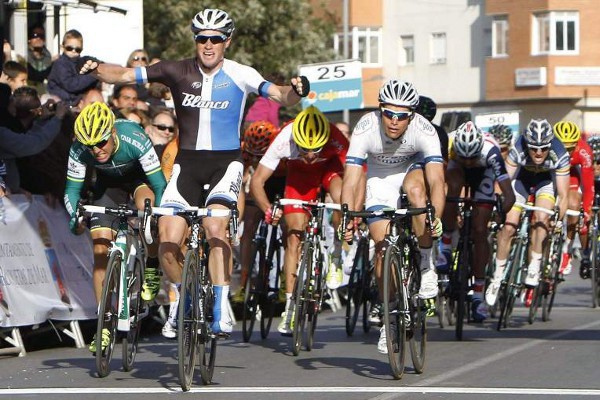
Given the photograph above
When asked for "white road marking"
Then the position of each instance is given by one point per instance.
(290, 389)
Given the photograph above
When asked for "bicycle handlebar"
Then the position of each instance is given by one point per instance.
(534, 208)
(311, 204)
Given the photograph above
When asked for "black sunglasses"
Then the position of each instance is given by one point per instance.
(164, 127)
(99, 145)
(304, 150)
(138, 58)
(215, 39)
(36, 35)
(75, 49)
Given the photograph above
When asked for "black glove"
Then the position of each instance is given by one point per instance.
(305, 86)
(83, 60)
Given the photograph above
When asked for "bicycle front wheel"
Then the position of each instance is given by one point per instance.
(594, 268)
(207, 341)
(267, 309)
(395, 310)
(135, 278)
(187, 320)
(108, 315)
(301, 297)
(314, 306)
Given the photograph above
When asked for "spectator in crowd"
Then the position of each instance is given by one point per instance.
(163, 128)
(44, 172)
(92, 95)
(344, 128)
(139, 58)
(64, 80)
(124, 96)
(14, 144)
(136, 115)
(39, 59)
(159, 95)
(14, 75)
(6, 52)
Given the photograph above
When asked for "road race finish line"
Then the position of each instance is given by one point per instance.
(295, 390)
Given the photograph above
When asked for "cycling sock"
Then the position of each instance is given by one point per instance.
(221, 320)
(499, 272)
(536, 260)
(426, 258)
(566, 246)
(288, 301)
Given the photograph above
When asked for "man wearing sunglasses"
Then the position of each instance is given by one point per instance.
(315, 151)
(402, 152)
(209, 92)
(64, 79)
(538, 164)
(126, 166)
(474, 162)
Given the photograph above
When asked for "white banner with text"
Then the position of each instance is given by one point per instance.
(45, 270)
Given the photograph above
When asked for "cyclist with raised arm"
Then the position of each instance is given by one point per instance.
(209, 92)
(315, 151)
(126, 166)
(474, 161)
(538, 163)
(402, 152)
(581, 189)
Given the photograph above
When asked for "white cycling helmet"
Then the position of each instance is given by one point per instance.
(538, 132)
(213, 19)
(399, 93)
(468, 140)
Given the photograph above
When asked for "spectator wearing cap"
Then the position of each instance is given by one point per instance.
(64, 80)
(39, 59)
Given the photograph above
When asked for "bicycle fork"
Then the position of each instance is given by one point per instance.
(120, 245)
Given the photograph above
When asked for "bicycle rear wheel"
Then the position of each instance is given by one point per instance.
(394, 308)
(252, 291)
(267, 311)
(417, 334)
(462, 271)
(108, 314)
(187, 320)
(301, 297)
(356, 287)
(135, 278)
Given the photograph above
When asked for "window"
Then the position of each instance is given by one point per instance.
(500, 36)
(438, 48)
(364, 44)
(407, 50)
(556, 32)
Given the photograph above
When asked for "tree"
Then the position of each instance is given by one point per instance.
(270, 35)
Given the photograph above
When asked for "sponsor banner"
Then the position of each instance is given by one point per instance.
(334, 86)
(45, 270)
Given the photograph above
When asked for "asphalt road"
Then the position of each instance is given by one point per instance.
(546, 360)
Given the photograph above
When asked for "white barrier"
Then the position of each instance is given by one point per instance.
(45, 270)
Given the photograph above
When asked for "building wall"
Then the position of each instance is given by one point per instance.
(460, 79)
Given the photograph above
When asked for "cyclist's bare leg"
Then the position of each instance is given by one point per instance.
(101, 239)
(172, 232)
(540, 224)
(507, 232)
(479, 235)
(140, 195)
(414, 187)
(296, 223)
(220, 257)
(252, 217)
(377, 231)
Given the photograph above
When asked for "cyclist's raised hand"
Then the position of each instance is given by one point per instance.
(301, 85)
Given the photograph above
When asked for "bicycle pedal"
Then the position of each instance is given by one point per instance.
(222, 335)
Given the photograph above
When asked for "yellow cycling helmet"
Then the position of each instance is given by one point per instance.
(567, 132)
(311, 129)
(94, 124)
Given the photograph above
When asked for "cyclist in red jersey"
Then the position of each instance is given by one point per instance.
(581, 189)
(315, 150)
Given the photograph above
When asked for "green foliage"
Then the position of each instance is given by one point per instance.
(270, 35)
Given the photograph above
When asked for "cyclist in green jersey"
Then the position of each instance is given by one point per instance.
(126, 167)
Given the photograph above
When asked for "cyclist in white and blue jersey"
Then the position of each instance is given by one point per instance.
(209, 92)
